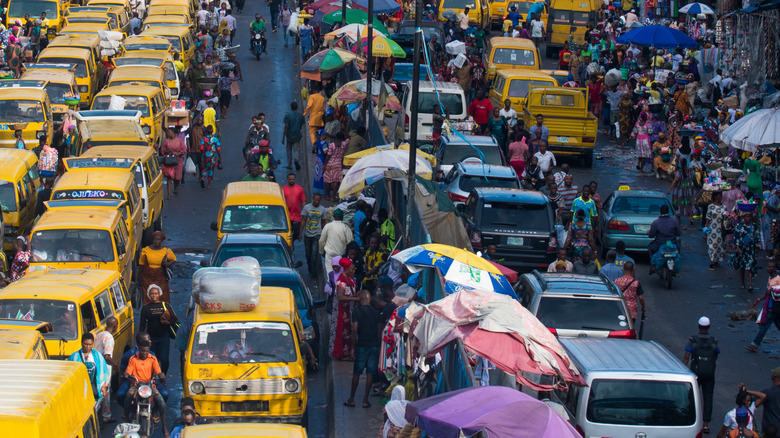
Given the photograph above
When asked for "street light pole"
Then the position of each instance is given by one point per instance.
(412, 182)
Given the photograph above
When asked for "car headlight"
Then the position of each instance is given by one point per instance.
(147, 130)
(83, 88)
(308, 333)
(291, 385)
(198, 388)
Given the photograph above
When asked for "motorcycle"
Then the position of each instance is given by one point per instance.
(144, 405)
(258, 43)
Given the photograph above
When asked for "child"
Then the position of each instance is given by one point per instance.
(366, 324)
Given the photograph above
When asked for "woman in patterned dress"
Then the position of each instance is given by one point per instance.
(683, 191)
(745, 244)
(641, 132)
(716, 214)
(341, 317)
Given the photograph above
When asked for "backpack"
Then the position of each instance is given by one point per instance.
(704, 356)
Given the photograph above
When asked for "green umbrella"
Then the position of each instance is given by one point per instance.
(354, 16)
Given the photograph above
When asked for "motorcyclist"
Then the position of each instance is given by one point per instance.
(257, 26)
(662, 230)
(141, 368)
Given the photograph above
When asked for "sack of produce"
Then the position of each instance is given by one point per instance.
(219, 290)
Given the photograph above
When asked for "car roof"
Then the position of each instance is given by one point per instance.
(477, 140)
(628, 355)
(250, 238)
(488, 170)
(570, 283)
(508, 194)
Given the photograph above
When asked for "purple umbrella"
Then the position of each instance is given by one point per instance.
(500, 411)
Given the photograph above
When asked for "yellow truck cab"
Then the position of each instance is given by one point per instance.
(568, 18)
(572, 126)
(510, 53)
(74, 302)
(142, 162)
(55, 13)
(248, 365)
(479, 11)
(45, 398)
(180, 38)
(244, 430)
(93, 239)
(157, 59)
(149, 101)
(153, 76)
(18, 195)
(514, 84)
(90, 76)
(23, 339)
(108, 128)
(24, 106)
(253, 207)
(89, 184)
(60, 86)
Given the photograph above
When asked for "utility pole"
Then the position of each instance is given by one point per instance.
(412, 181)
(369, 71)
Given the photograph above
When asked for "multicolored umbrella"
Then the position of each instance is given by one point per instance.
(382, 47)
(457, 265)
(371, 169)
(355, 16)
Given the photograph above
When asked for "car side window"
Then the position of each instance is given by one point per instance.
(88, 317)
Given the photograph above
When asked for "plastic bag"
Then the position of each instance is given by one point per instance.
(219, 290)
(189, 167)
(293, 27)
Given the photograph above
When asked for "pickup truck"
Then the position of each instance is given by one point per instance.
(572, 126)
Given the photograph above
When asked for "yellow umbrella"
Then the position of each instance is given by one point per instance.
(350, 159)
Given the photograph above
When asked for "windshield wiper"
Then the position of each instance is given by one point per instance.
(270, 355)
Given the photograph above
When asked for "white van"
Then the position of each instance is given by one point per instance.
(634, 389)
(451, 96)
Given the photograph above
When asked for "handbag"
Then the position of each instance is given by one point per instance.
(173, 326)
(170, 161)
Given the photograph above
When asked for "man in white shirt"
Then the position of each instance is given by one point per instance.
(463, 19)
(537, 30)
(546, 158)
(509, 113)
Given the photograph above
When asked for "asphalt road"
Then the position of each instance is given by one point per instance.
(270, 85)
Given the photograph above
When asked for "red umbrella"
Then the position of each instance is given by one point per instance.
(510, 275)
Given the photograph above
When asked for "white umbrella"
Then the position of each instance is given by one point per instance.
(371, 168)
(760, 129)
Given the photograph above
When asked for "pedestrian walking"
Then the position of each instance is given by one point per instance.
(745, 243)
(716, 242)
(366, 329)
(158, 319)
(154, 261)
(334, 238)
(770, 309)
(632, 291)
(104, 345)
(312, 221)
(295, 200)
(293, 122)
(702, 352)
(682, 190)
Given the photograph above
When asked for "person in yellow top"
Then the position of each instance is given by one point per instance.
(154, 261)
(315, 109)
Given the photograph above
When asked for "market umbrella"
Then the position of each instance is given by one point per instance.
(353, 31)
(457, 265)
(351, 159)
(371, 169)
(660, 37)
(760, 129)
(355, 16)
(383, 47)
(380, 6)
(499, 411)
(697, 8)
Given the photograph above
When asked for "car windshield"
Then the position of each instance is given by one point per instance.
(505, 214)
(587, 313)
(61, 314)
(244, 342)
(636, 205)
(452, 101)
(505, 55)
(468, 182)
(290, 282)
(455, 153)
(7, 196)
(21, 111)
(122, 102)
(72, 245)
(641, 402)
(267, 255)
(254, 218)
(33, 7)
(81, 64)
(519, 87)
(57, 92)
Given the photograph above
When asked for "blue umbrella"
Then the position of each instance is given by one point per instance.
(660, 37)
(380, 6)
